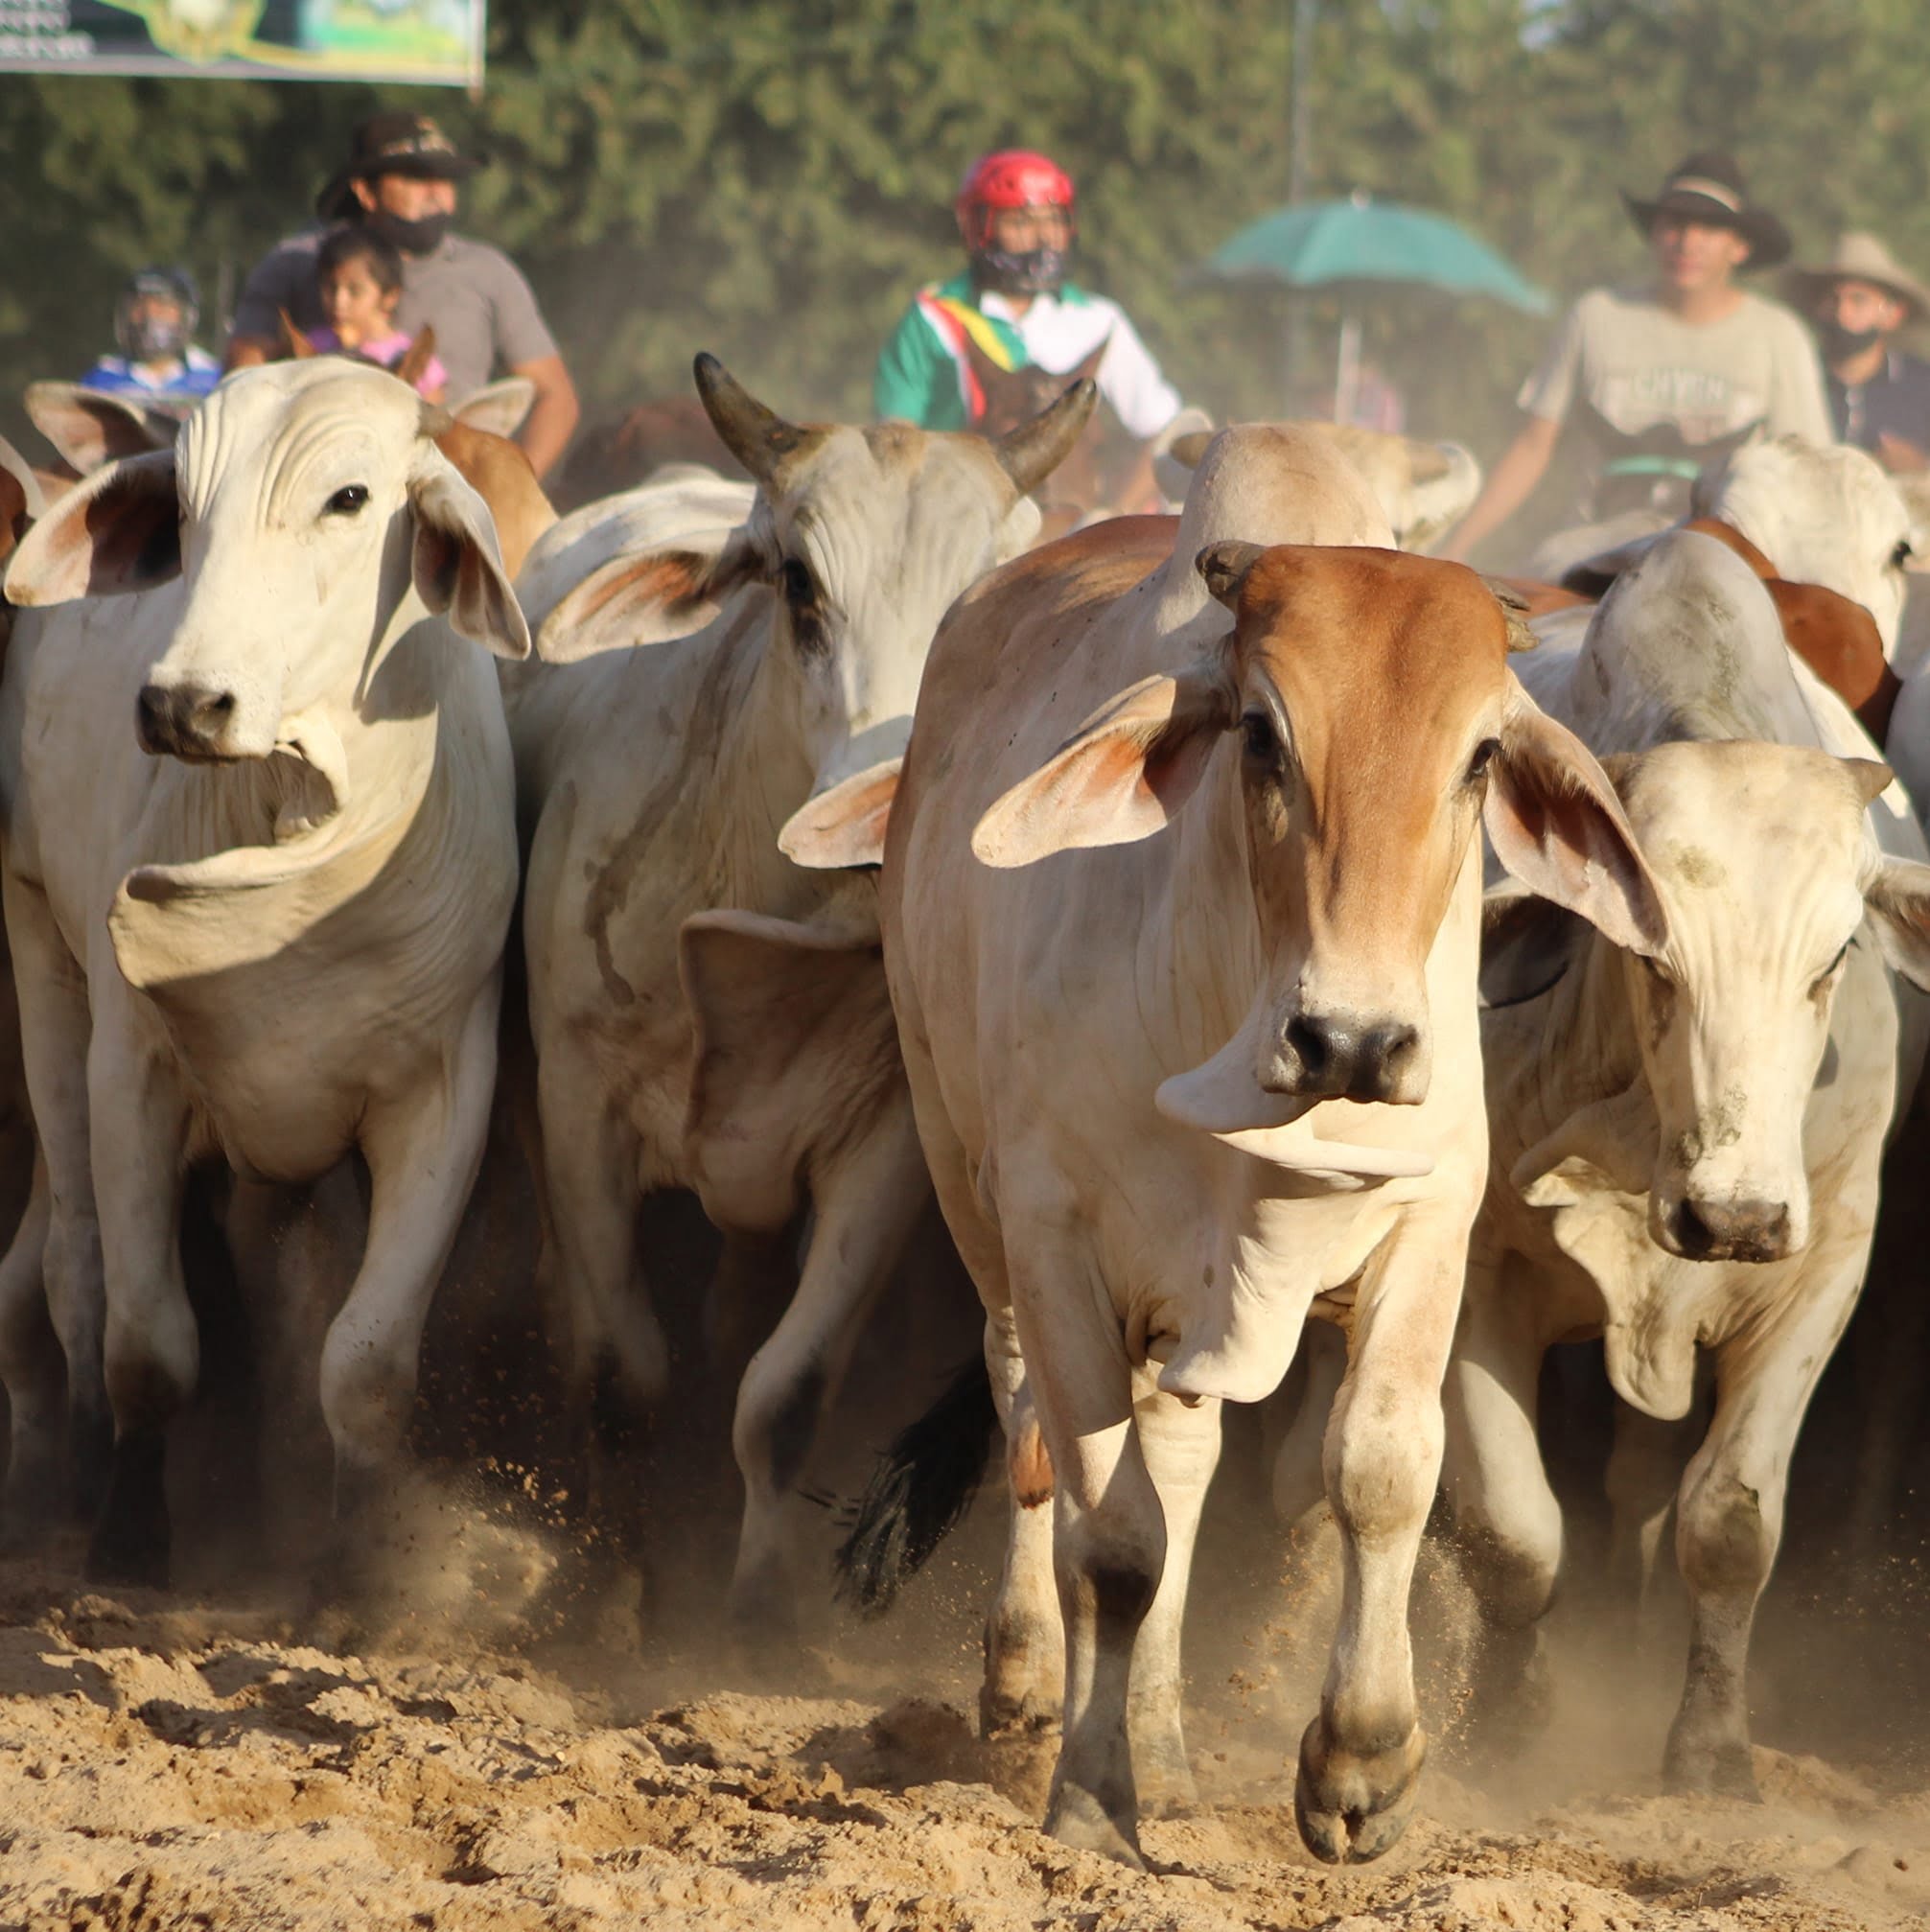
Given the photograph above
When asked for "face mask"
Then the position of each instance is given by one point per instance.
(421, 237)
(1839, 343)
(1039, 271)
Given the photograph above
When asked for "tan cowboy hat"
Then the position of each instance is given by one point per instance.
(1709, 188)
(393, 144)
(1859, 257)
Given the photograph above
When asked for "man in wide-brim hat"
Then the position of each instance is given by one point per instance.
(1857, 301)
(1664, 377)
(399, 180)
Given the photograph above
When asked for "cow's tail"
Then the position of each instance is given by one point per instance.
(923, 1483)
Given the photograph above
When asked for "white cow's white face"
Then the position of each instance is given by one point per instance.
(1762, 860)
(867, 539)
(1825, 516)
(299, 504)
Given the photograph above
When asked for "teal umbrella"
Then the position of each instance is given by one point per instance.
(1312, 245)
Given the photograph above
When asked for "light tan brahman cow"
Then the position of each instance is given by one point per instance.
(708, 1013)
(1181, 902)
(1686, 1143)
(260, 859)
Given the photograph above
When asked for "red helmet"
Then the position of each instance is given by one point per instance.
(1013, 178)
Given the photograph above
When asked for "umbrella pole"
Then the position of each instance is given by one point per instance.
(1347, 370)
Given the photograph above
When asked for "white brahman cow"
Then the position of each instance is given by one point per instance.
(1685, 1141)
(260, 861)
(705, 1012)
(1181, 1091)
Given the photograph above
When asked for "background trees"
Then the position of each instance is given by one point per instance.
(769, 178)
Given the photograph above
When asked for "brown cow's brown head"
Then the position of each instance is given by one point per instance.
(1364, 713)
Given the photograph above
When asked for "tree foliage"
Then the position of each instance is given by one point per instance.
(771, 178)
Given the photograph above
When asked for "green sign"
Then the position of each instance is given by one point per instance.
(432, 41)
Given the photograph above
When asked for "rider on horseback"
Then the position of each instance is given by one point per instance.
(1011, 308)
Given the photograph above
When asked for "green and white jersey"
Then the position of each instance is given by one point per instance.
(926, 375)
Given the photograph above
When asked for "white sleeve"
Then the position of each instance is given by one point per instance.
(1130, 379)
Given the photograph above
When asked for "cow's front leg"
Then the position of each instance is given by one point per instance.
(153, 1348)
(1729, 1521)
(1362, 1755)
(32, 1374)
(1108, 1534)
(1181, 1448)
(423, 1145)
(1508, 1522)
(1024, 1637)
(1645, 1469)
(63, 1263)
(618, 1361)
(866, 1203)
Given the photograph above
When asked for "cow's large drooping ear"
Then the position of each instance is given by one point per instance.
(90, 429)
(646, 597)
(1121, 778)
(1897, 901)
(1558, 826)
(845, 825)
(457, 564)
(118, 531)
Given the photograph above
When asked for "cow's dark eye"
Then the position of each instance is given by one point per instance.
(1484, 752)
(1258, 738)
(1822, 981)
(794, 579)
(347, 499)
(1905, 550)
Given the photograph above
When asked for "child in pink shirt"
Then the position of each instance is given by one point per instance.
(360, 278)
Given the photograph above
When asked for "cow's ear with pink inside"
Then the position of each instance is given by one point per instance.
(1556, 824)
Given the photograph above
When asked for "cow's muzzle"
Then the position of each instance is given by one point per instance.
(184, 721)
(1725, 1230)
(1336, 1057)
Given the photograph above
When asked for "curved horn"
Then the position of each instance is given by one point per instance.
(759, 438)
(1224, 565)
(1030, 454)
(1515, 610)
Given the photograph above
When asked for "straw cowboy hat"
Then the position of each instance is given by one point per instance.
(393, 144)
(1709, 188)
(1859, 258)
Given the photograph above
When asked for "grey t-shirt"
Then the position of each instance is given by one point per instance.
(1639, 369)
(474, 296)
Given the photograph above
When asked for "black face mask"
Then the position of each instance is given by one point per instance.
(413, 237)
(1839, 343)
(1039, 271)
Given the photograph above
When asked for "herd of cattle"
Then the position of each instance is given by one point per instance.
(1215, 908)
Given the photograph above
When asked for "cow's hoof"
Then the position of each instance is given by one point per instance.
(1076, 1818)
(130, 1555)
(1352, 1809)
(1709, 1767)
(131, 1544)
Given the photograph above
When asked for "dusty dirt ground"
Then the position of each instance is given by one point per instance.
(224, 1756)
(211, 1758)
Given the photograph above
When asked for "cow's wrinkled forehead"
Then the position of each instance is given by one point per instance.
(887, 511)
(1367, 644)
(1744, 819)
(293, 427)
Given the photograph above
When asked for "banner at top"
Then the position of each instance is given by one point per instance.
(438, 42)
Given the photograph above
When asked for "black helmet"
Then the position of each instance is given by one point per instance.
(145, 338)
